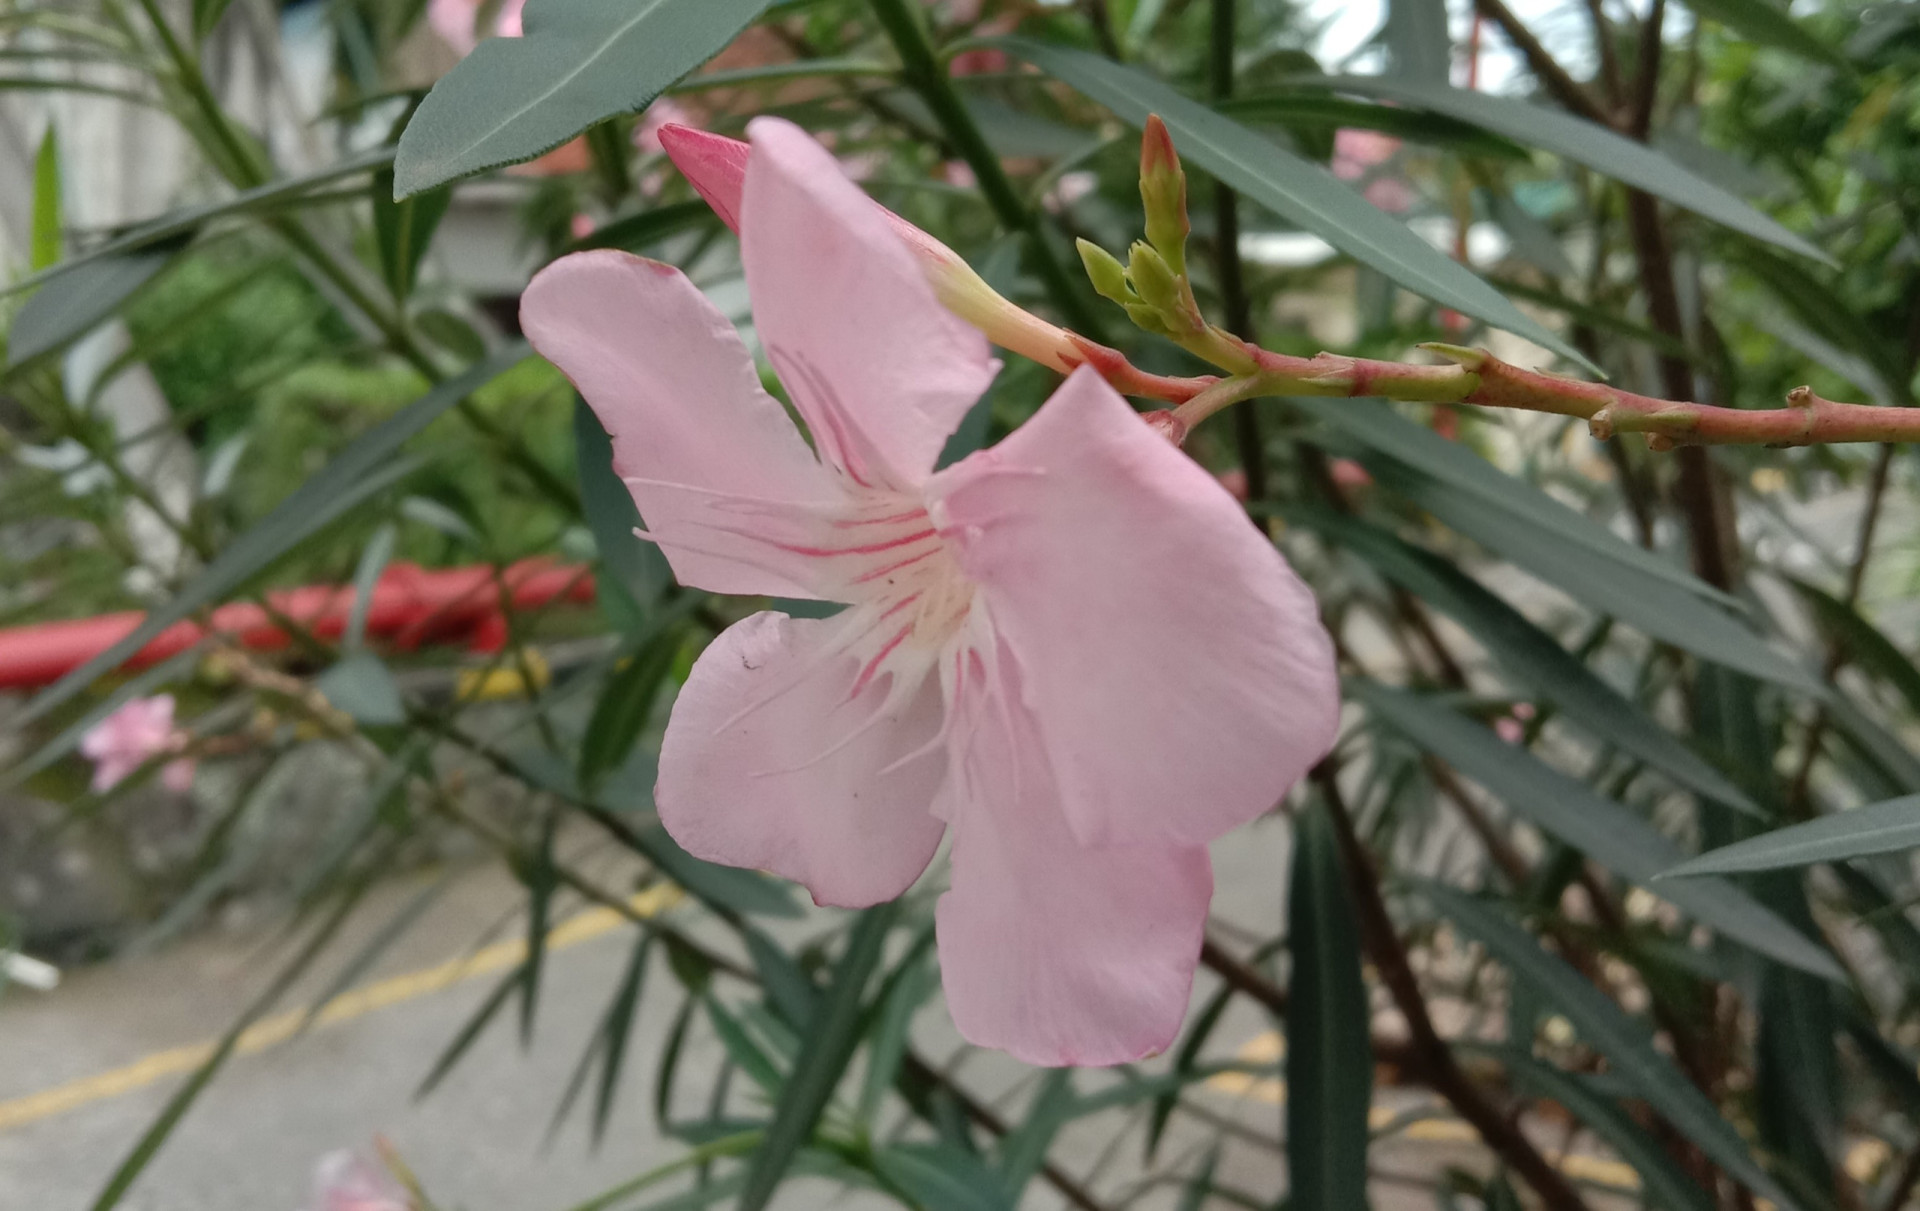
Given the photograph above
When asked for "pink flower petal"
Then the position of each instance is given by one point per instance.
(715, 165)
(1177, 669)
(771, 762)
(881, 372)
(1052, 951)
(706, 452)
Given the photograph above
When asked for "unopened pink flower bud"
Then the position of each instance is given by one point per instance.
(1163, 189)
(716, 166)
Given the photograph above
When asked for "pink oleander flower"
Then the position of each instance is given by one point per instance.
(133, 735)
(347, 1181)
(1071, 650)
(455, 22)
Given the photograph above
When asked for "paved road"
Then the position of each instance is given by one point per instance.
(251, 1142)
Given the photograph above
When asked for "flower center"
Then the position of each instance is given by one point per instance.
(909, 595)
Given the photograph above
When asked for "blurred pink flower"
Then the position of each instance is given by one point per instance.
(1071, 649)
(1359, 154)
(133, 735)
(1070, 188)
(959, 174)
(455, 21)
(347, 1181)
(1512, 727)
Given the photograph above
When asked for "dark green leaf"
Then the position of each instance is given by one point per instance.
(825, 1051)
(911, 984)
(1377, 428)
(742, 1050)
(469, 1033)
(616, 1030)
(1766, 23)
(1184, 1060)
(636, 231)
(1291, 187)
(581, 61)
(1599, 827)
(625, 706)
(1650, 604)
(1667, 1185)
(1024, 1149)
(1862, 642)
(207, 14)
(403, 229)
(73, 304)
(633, 573)
(350, 478)
(1526, 652)
(941, 1177)
(1878, 828)
(1606, 1028)
(1583, 142)
(1329, 1048)
(1321, 114)
(1417, 39)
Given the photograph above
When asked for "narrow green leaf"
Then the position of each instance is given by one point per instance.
(1024, 1149)
(175, 229)
(1607, 1029)
(1418, 41)
(1767, 24)
(636, 231)
(633, 573)
(49, 238)
(1583, 142)
(541, 879)
(403, 229)
(1381, 429)
(625, 706)
(1291, 187)
(73, 304)
(162, 1127)
(1862, 642)
(1526, 652)
(1649, 604)
(581, 61)
(1597, 826)
(470, 1032)
(1184, 1060)
(616, 1030)
(363, 687)
(1878, 828)
(1667, 1185)
(825, 1052)
(1329, 1048)
(350, 478)
(1193, 1197)
(746, 1054)
(912, 983)
(366, 578)
(942, 1177)
(207, 14)
(1322, 113)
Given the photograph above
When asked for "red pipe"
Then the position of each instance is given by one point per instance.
(410, 606)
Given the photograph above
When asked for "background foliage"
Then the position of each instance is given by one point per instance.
(1571, 666)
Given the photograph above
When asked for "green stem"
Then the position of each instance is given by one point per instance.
(922, 72)
(1226, 249)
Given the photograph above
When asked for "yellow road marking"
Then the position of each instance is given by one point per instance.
(349, 1005)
